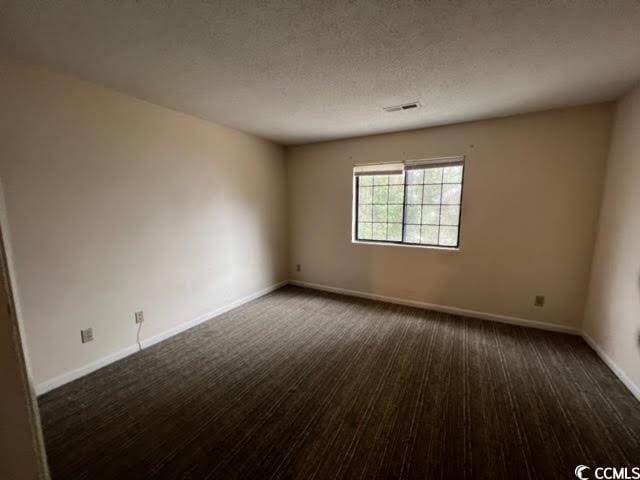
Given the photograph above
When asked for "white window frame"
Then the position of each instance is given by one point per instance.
(391, 168)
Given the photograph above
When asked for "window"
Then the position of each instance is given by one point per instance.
(415, 203)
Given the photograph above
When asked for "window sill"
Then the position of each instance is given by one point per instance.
(406, 245)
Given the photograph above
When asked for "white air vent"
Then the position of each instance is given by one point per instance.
(404, 106)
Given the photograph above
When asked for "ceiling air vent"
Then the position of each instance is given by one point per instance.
(404, 106)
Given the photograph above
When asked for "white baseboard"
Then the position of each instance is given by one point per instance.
(209, 315)
(635, 389)
(67, 377)
(441, 308)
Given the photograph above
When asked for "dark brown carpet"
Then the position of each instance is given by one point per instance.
(308, 385)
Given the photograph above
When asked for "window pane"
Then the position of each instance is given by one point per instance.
(450, 215)
(394, 232)
(381, 179)
(427, 200)
(429, 235)
(364, 213)
(412, 214)
(433, 175)
(395, 213)
(415, 176)
(453, 174)
(448, 236)
(451, 194)
(364, 231)
(380, 194)
(396, 194)
(414, 194)
(432, 194)
(379, 231)
(396, 179)
(431, 214)
(412, 233)
(379, 213)
(365, 180)
(364, 195)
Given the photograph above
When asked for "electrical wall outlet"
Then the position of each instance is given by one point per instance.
(539, 301)
(139, 316)
(298, 267)
(86, 335)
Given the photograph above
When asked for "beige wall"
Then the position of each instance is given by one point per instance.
(18, 451)
(613, 309)
(22, 455)
(116, 205)
(532, 194)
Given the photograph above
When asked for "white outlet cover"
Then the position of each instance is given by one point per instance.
(86, 335)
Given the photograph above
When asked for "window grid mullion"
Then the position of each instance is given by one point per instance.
(405, 204)
(386, 224)
(357, 206)
(440, 208)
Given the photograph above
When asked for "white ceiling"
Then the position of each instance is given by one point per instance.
(298, 71)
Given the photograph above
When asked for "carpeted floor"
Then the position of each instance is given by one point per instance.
(309, 385)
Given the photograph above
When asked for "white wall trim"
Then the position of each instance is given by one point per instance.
(67, 377)
(209, 315)
(441, 308)
(72, 375)
(635, 389)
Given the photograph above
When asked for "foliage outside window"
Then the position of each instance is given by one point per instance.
(418, 206)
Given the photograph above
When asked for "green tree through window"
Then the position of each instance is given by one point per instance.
(421, 206)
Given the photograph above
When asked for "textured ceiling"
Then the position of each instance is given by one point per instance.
(296, 71)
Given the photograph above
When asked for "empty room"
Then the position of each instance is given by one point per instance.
(309, 240)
